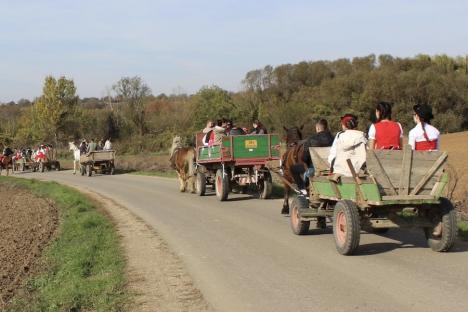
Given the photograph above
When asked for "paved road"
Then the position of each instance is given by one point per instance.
(243, 256)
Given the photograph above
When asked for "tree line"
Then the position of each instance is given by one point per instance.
(285, 95)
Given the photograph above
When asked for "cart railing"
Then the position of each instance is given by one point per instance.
(97, 156)
(400, 175)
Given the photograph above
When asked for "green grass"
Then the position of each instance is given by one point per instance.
(463, 227)
(84, 268)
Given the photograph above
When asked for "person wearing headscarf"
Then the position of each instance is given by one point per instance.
(423, 137)
(348, 144)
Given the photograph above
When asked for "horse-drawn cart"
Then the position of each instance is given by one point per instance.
(45, 160)
(97, 161)
(238, 163)
(24, 164)
(398, 189)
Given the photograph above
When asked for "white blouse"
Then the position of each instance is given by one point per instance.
(417, 135)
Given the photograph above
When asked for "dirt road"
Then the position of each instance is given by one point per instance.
(243, 256)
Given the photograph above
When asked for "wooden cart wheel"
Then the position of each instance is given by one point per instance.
(442, 235)
(200, 184)
(57, 166)
(221, 185)
(89, 170)
(265, 186)
(346, 227)
(297, 226)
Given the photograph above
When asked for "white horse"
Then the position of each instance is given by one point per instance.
(76, 156)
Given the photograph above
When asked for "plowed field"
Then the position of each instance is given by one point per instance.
(27, 223)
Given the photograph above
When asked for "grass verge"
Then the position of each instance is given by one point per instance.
(463, 229)
(84, 267)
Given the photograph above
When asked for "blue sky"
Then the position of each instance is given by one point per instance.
(182, 45)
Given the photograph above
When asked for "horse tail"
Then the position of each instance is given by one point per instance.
(191, 162)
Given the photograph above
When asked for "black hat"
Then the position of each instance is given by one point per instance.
(424, 112)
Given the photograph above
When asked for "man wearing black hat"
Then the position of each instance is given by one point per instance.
(423, 137)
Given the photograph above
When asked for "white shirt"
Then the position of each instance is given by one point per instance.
(417, 135)
(372, 131)
(107, 146)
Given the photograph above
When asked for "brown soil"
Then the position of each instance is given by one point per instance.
(456, 144)
(27, 223)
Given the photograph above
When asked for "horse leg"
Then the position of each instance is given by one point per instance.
(192, 184)
(181, 182)
(285, 209)
(74, 166)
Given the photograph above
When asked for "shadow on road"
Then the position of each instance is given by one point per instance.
(410, 238)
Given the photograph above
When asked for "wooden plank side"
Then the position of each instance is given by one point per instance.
(376, 169)
(317, 153)
(407, 197)
(405, 175)
(435, 167)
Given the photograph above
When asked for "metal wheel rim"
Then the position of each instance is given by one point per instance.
(295, 216)
(340, 228)
(219, 184)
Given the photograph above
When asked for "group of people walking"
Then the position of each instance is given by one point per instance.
(91, 146)
(350, 143)
(214, 132)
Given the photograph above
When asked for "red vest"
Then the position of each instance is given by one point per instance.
(426, 145)
(387, 135)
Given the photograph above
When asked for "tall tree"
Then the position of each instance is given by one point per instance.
(134, 92)
(211, 103)
(55, 106)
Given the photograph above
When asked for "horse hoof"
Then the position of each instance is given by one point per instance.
(285, 210)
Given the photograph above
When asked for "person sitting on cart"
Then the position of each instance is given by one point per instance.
(91, 146)
(235, 130)
(258, 128)
(100, 145)
(219, 131)
(348, 144)
(107, 145)
(385, 133)
(7, 151)
(321, 138)
(83, 147)
(208, 131)
(423, 137)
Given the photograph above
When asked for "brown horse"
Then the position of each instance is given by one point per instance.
(291, 159)
(6, 162)
(183, 160)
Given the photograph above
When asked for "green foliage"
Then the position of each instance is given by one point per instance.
(211, 103)
(85, 265)
(133, 91)
(285, 95)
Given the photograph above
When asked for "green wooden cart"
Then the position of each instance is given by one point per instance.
(397, 189)
(236, 164)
